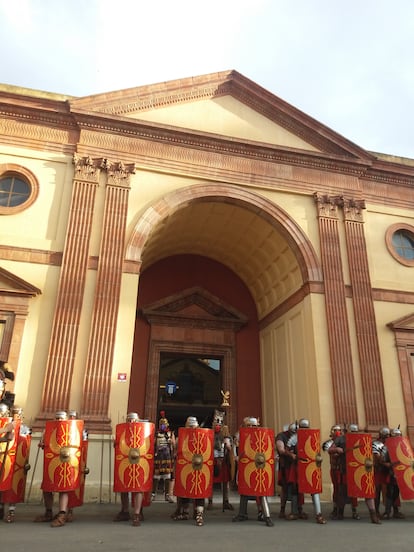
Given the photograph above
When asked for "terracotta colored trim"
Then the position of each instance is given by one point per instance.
(390, 246)
(296, 298)
(364, 313)
(343, 384)
(274, 215)
(32, 256)
(14, 169)
(393, 296)
(97, 379)
(65, 327)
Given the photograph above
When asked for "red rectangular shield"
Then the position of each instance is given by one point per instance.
(62, 453)
(359, 465)
(194, 463)
(401, 455)
(17, 489)
(75, 498)
(134, 457)
(309, 461)
(256, 461)
(8, 455)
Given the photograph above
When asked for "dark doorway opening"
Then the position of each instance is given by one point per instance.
(189, 386)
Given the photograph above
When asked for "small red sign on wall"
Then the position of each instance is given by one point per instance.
(122, 376)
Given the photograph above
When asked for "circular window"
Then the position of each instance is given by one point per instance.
(13, 191)
(400, 243)
(18, 189)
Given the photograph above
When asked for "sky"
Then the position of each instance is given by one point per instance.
(349, 65)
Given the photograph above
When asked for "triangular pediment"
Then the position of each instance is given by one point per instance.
(225, 104)
(196, 307)
(10, 284)
(406, 323)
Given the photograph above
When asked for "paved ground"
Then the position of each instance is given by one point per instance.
(94, 530)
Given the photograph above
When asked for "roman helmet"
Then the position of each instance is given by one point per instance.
(384, 432)
(132, 417)
(191, 421)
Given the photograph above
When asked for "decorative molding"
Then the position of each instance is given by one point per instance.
(176, 311)
(327, 206)
(120, 174)
(353, 209)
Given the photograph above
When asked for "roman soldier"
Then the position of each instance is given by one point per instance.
(353, 455)
(285, 461)
(256, 469)
(194, 470)
(336, 431)
(134, 465)
(76, 497)
(18, 449)
(164, 458)
(62, 445)
(308, 477)
(223, 468)
(397, 452)
(381, 466)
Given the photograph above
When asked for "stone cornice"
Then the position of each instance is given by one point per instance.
(174, 136)
(41, 112)
(117, 135)
(231, 83)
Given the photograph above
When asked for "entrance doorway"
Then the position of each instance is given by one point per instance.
(189, 385)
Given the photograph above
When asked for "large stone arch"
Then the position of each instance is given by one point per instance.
(302, 248)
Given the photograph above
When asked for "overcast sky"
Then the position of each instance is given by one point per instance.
(350, 65)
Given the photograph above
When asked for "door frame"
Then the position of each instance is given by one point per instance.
(203, 350)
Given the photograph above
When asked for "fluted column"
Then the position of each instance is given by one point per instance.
(336, 313)
(365, 324)
(65, 326)
(97, 380)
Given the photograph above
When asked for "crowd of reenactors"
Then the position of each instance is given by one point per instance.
(377, 471)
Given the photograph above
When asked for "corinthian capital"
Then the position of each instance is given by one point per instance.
(120, 174)
(327, 206)
(353, 209)
(86, 168)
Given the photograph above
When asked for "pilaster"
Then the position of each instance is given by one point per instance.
(97, 379)
(65, 326)
(335, 301)
(365, 324)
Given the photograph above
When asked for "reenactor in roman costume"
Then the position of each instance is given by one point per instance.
(308, 464)
(194, 470)
(134, 465)
(338, 474)
(62, 446)
(76, 497)
(164, 458)
(336, 431)
(353, 452)
(399, 461)
(223, 469)
(18, 438)
(381, 467)
(256, 469)
(286, 459)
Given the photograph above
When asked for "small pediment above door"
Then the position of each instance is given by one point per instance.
(194, 307)
(10, 284)
(406, 323)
